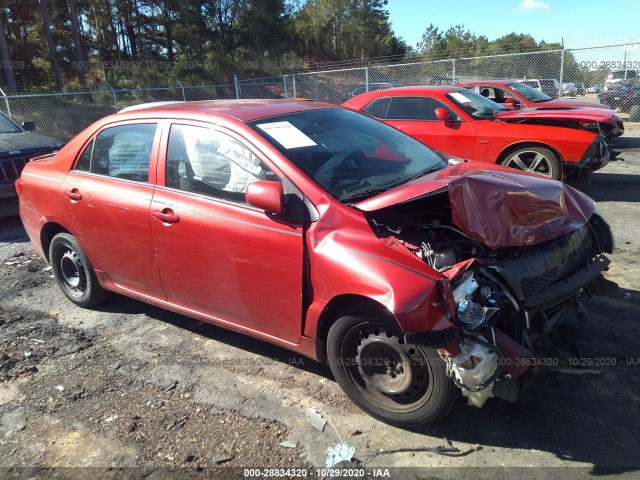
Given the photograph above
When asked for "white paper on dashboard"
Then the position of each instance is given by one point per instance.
(286, 135)
(460, 97)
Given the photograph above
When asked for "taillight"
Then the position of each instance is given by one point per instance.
(18, 185)
(629, 94)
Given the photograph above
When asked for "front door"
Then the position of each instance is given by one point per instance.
(217, 255)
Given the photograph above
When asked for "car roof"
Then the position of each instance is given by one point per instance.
(486, 82)
(243, 110)
(402, 91)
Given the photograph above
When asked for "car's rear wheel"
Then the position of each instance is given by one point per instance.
(634, 114)
(73, 272)
(394, 381)
(538, 160)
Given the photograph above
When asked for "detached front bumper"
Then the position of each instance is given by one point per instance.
(595, 157)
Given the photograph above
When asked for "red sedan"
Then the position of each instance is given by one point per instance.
(326, 232)
(553, 143)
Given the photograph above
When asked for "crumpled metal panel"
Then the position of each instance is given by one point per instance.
(504, 209)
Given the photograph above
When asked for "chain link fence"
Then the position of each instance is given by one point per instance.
(63, 115)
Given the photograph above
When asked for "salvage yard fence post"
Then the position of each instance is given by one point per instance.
(115, 97)
(6, 102)
(561, 73)
(184, 97)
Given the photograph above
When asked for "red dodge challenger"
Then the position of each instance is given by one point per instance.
(460, 122)
(326, 232)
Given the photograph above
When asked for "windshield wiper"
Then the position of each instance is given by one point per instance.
(363, 194)
(424, 172)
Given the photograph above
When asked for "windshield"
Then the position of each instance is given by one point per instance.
(530, 93)
(475, 105)
(7, 125)
(350, 155)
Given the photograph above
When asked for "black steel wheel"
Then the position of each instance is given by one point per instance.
(73, 272)
(538, 160)
(394, 381)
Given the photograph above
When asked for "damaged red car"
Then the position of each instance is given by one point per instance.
(460, 122)
(326, 232)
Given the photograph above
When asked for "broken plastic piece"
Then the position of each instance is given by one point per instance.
(316, 419)
(342, 452)
(471, 369)
(288, 444)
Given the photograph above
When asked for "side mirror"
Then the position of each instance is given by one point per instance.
(265, 195)
(29, 126)
(442, 114)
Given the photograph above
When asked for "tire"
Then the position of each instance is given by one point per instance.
(538, 160)
(73, 272)
(360, 350)
(634, 113)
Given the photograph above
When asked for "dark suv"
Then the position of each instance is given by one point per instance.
(17, 145)
(624, 96)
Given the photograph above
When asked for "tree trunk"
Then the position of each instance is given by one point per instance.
(166, 14)
(52, 49)
(75, 27)
(6, 59)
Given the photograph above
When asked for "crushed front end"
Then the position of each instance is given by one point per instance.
(518, 258)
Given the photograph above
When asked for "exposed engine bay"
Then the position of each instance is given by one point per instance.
(499, 299)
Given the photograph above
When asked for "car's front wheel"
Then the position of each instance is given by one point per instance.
(538, 160)
(73, 272)
(394, 381)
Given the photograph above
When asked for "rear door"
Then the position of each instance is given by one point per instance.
(217, 255)
(108, 194)
(416, 117)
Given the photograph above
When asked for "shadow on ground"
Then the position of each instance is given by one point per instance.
(591, 418)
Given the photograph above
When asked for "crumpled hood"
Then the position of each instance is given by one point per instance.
(575, 114)
(25, 142)
(497, 206)
(566, 103)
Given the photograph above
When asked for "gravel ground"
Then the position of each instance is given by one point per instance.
(130, 389)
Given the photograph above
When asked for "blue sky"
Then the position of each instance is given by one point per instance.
(579, 22)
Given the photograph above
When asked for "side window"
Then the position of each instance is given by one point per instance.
(206, 161)
(120, 152)
(415, 108)
(503, 95)
(377, 108)
(84, 162)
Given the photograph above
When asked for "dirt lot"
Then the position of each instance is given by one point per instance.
(130, 385)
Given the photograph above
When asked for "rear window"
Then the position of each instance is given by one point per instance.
(120, 152)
